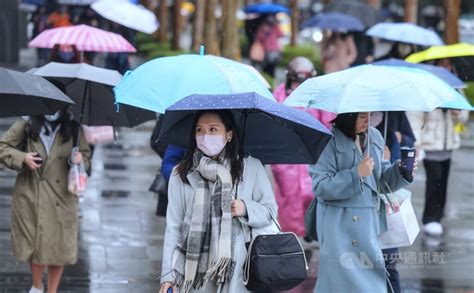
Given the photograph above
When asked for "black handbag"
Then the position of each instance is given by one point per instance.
(274, 262)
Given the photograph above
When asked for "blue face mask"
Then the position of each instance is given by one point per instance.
(66, 56)
(52, 118)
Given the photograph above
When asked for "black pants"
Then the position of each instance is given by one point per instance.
(437, 173)
(390, 256)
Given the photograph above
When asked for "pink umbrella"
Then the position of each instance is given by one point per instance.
(84, 37)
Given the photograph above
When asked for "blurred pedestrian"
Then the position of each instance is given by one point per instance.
(346, 182)
(44, 213)
(338, 51)
(65, 54)
(39, 18)
(399, 133)
(89, 17)
(437, 139)
(292, 183)
(204, 248)
(60, 17)
(120, 61)
(267, 39)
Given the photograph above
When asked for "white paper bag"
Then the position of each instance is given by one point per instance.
(402, 227)
(98, 134)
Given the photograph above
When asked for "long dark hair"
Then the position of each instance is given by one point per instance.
(65, 122)
(232, 149)
(346, 124)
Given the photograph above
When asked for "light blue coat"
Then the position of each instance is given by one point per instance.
(348, 216)
(256, 192)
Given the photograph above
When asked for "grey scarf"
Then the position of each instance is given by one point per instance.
(205, 250)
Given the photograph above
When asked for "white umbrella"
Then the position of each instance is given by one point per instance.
(406, 33)
(127, 14)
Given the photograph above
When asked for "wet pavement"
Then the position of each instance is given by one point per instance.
(120, 238)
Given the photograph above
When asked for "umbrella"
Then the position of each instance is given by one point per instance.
(91, 89)
(461, 54)
(369, 88)
(159, 83)
(362, 11)
(28, 94)
(127, 14)
(84, 37)
(440, 72)
(269, 131)
(406, 33)
(335, 21)
(76, 2)
(266, 8)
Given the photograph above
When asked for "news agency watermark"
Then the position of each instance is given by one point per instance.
(402, 260)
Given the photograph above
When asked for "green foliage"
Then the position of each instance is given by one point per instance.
(307, 50)
(469, 91)
(269, 79)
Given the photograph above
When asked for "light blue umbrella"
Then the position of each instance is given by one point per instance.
(159, 83)
(406, 33)
(369, 88)
(459, 104)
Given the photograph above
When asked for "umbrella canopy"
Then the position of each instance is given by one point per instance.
(440, 72)
(335, 21)
(406, 33)
(91, 89)
(161, 82)
(269, 131)
(127, 14)
(266, 8)
(362, 11)
(84, 37)
(76, 2)
(460, 103)
(369, 88)
(28, 94)
(461, 54)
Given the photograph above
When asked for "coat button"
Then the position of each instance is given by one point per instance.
(355, 243)
(355, 218)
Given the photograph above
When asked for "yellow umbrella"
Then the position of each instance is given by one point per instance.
(461, 55)
(441, 52)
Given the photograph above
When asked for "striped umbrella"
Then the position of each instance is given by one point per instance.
(84, 37)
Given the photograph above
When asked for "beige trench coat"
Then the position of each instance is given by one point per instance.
(44, 213)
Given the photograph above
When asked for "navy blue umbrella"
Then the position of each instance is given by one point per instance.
(271, 132)
(440, 72)
(335, 21)
(266, 8)
(33, 2)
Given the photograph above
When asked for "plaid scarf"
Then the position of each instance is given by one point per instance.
(205, 250)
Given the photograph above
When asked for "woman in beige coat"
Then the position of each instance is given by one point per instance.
(44, 213)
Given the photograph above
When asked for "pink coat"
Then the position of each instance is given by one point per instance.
(293, 187)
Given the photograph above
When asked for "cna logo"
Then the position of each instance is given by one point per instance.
(352, 260)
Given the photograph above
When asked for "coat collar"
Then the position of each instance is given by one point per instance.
(345, 144)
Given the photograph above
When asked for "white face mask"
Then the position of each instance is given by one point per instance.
(52, 118)
(211, 145)
(376, 118)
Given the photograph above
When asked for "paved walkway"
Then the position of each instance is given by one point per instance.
(120, 238)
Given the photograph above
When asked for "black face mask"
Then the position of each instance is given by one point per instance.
(66, 56)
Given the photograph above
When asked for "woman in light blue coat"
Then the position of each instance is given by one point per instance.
(349, 215)
(215, 196)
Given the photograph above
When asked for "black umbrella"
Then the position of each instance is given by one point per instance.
(91, 88)
(364, 12)
(28, 94)
(271, 132)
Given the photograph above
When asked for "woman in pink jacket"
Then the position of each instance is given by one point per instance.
(293, 190)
